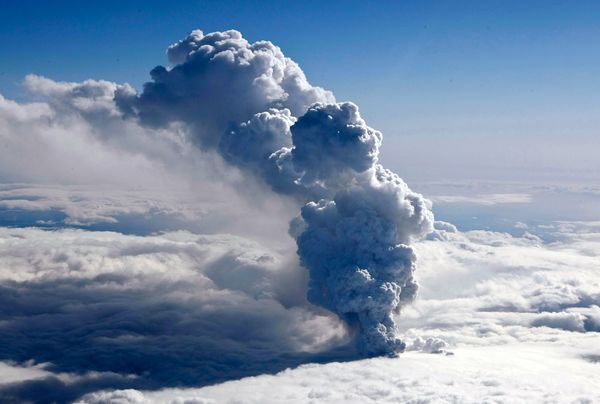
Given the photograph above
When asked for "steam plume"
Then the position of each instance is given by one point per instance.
(255, 107)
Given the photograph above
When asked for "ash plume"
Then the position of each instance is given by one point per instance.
(254, 106)
(218, 79)
(355, 243)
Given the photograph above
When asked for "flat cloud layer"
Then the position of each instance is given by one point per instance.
(171, 309)
(507, 374)
(512, 320)
(104, 310)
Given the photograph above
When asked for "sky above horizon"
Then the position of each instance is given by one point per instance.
(490, 91)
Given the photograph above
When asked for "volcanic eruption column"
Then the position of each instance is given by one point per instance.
(255, 107)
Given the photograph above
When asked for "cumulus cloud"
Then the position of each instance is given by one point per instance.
(93, 98)
(485, 298)
(488, 288)
(564, 320)
(75, 135)
(149, 312)
(171, 309)
(487, 374)
(580, 319)
(429, 345)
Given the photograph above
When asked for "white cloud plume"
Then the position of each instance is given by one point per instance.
(75, 135)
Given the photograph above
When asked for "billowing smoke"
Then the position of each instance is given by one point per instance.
(220, 79)
(355, 242)
(255, 107)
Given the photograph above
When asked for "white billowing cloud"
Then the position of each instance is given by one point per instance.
(563, 320)
(88, 108)
(486, 289)
(507, 374)
(429, 345)
(499, 318)
(76, 135)
(118, 172)
(93, 98)
(179, 307)
(72, 141)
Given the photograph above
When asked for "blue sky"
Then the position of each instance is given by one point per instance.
(438, 78)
